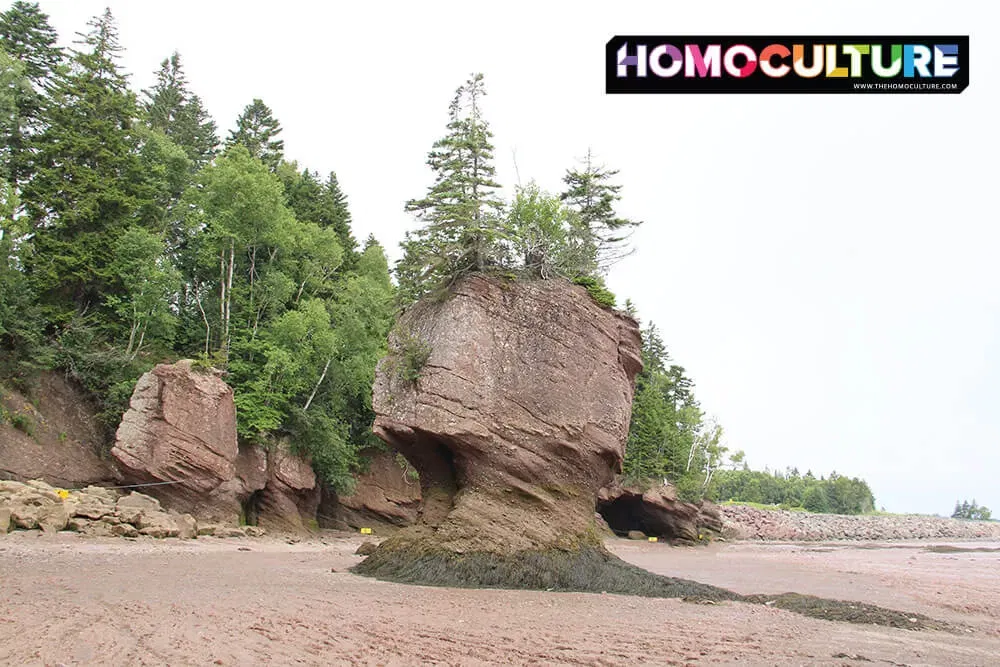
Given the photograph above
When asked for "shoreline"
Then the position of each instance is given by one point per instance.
(746, 523)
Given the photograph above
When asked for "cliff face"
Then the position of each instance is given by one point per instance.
(56, 437)
(519, 415)
(385, 495)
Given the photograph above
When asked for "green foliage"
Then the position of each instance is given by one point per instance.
(23, 423)
(463, 230)
(409, 473)
(27, 71)
(409, 356)
(815, 499)
(78, 200)
(597, 290)
(836, 494)
(967, 510)
(599, 236)
(101, 368)
(257, 130)
(576, 235)
(667, 437)
(148, 282)
(178, 113)
(125, 241)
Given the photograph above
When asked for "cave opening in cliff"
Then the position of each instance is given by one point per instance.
(624, 514)
(251, 508)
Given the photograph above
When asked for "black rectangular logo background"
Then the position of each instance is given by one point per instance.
(791, 83)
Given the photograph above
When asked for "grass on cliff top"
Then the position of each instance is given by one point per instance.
(594, 570)
(762, 506)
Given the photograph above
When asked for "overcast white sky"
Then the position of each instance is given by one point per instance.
(825, 267)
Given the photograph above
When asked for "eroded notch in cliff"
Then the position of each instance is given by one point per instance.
(433, 457)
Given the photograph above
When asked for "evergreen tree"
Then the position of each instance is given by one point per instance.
(257, 130)
(600, 236)
(973, 511)
(81, 198)
(463, 231)
(667, 438)
(322, 203)
(27, 37)
(172, 109)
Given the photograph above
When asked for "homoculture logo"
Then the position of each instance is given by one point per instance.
(759, 64)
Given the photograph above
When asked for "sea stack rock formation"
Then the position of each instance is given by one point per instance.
(512, 400)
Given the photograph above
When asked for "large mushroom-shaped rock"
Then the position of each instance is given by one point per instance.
(512, 400)
(180, 433)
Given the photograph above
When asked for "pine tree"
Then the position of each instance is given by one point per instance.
(600, 236)
(257, 130)
(81, 198)
(462, 230)
(338, 216)
(27, 37)
(322, 203)
(172, 109)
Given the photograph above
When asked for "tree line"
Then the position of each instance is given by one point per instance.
(973, 511)
(131, 234)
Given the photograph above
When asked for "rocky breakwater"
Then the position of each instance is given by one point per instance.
(179, 437)
(97, 512)
(751, 523)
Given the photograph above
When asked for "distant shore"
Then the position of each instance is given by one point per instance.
(741, 522)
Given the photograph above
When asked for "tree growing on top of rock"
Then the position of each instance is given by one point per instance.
(463, 230)
(575, 235)
(599, 236)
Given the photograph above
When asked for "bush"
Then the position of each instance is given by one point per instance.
(597, 290)
(23, 423)
(106, 373)
(411, 355)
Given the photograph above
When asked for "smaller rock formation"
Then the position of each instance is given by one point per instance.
(658, 513)
(179, 434)
(181, 427)
(386, 494)
(291, 495)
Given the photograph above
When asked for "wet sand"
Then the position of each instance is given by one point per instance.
(69, 600)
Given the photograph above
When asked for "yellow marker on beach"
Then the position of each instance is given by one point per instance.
(654, 539)
(366, 531)
(62, 493)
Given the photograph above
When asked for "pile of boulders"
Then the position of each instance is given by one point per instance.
(98, 511)
(751, 523)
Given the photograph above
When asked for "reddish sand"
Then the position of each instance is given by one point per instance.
(69, 600)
